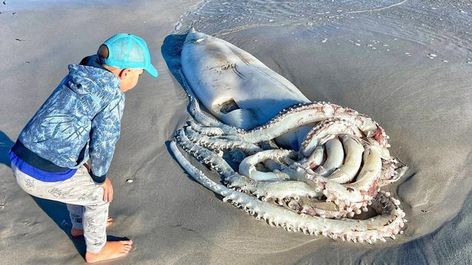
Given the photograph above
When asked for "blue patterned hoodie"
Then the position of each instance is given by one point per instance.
(79, 121)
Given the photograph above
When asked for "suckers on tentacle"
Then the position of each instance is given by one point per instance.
(305, 190)
(388, 223)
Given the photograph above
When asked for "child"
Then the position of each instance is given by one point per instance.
(80, 122)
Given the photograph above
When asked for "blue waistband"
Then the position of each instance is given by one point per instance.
(46, 176)
(35, 160)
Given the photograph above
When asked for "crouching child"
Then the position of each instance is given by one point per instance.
(64, 152)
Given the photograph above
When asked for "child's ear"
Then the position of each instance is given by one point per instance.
(123, 73)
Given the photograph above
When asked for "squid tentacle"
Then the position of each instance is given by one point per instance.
(388, 223)
(315, 195)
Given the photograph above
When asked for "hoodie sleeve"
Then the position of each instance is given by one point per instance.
(104, 135)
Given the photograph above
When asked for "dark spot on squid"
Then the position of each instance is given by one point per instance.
(378, 135)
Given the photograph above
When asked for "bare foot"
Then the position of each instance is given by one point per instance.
(111, 250)
(75, 232)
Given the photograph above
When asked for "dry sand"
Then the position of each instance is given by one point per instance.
(415, 83)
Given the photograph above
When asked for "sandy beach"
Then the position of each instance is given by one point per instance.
(407, 64)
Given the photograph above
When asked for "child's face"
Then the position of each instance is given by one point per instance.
(129, 78)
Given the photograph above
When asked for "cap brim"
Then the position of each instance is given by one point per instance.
(152, 70)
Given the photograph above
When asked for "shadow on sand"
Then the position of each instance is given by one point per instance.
(5, 144)
(171, 50)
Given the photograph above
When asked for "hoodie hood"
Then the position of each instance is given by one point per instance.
(84, 79)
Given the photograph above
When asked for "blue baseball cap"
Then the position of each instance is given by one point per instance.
(129, 51)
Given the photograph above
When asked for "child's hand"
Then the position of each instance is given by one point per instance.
(107, 190)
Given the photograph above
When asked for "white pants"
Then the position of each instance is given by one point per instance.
(84, 199)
